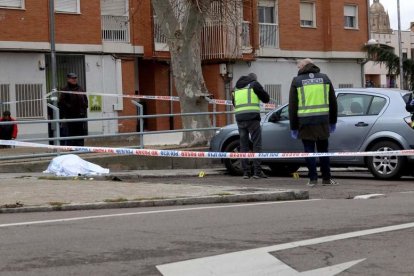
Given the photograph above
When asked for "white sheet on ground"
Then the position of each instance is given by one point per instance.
(73, 165)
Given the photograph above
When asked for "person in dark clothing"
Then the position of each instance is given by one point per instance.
(313, 113)
(247, 96)
(7, 132)
(410, 107)
(73, 106)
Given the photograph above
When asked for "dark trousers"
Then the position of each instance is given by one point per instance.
(321, 146)
(73, 129)
(253, 128)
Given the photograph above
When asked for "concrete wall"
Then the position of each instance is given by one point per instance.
(23, 68)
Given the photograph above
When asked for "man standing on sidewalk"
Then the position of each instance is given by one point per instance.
(313, 113)
(246, 100)
(73, 106)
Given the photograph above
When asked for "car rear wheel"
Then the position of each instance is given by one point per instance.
(283, 169)
(386, 167)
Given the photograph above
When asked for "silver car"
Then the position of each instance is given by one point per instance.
(370, 119)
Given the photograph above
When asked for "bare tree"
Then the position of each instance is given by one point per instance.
(182, 22)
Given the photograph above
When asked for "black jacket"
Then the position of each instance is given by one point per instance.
(408, 106)
(258, 90)
(72, 105)
(318, 126)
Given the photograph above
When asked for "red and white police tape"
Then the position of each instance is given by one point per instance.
(202, 154)
(153, 97)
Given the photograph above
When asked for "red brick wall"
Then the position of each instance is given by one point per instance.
(329, 34)
(32, 24)
(83, 28)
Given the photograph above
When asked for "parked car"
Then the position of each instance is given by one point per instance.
(372, 119)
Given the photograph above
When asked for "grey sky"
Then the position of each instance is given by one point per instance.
(407, 12)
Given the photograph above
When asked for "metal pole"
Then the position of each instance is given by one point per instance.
(400, 47)
(53, 62)
(141, 123)
(56, 126)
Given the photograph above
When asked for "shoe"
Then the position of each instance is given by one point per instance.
(312, 183)
(246, 176)
(259, 175)
(327, 182)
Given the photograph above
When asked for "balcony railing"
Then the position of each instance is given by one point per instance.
(159, 37)
(246, 43)
(269, 35)
(218, 39)
(115, 28)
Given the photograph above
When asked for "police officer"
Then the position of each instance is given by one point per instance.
(246, 100)
(313, 115)
(410, 108)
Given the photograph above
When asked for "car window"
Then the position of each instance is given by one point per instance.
(284, 113)
(355, 105)
(377, 105)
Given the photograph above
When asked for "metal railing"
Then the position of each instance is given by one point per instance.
(269, 35)
(115, 28)
(141, 133)
(246, 42)
(159, 37)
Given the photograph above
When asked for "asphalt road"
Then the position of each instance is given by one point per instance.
(322, 237)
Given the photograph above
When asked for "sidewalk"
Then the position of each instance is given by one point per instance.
(32, 192)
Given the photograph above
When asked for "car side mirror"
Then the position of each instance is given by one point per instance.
(275, 117)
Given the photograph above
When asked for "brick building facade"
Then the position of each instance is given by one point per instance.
(119, 50)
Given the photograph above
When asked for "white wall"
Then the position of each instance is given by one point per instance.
(103, 75)
(282, 71)
(23, 68)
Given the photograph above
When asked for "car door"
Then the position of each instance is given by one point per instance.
(276, 134)
(357, 113)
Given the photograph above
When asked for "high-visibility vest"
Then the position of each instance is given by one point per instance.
(313, 98)
(246, 101)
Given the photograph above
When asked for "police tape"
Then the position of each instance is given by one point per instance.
(153, 97)
(207, 155)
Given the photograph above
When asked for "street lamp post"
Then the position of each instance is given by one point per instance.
(53, 86)
(400, 47)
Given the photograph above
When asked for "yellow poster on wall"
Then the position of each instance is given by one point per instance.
(95, 103)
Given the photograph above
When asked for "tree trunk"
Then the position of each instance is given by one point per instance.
(185, 48)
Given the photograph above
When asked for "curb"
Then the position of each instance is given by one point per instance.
(252, 197)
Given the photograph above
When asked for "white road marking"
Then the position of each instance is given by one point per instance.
(409, 192)
(152, 212)
(369, 196)
(259, 262)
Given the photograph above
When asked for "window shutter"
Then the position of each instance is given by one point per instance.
(114, 7)
(67, 6)
(350, 11)
(306, 11)
(11, 3)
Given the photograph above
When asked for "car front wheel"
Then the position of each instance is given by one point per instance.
(386, 167)
(233, 166)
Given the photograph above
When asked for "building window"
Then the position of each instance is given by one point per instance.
(268, 27)
(19, 4)
(29, 103)
(307, 14)
(351, 16)
(67, 6)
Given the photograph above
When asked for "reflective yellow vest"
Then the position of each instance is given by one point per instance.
(313, 98)
(246, 101)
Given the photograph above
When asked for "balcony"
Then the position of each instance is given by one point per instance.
(219, 40)
(269, 35)
(245, 35)
(115, 28)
